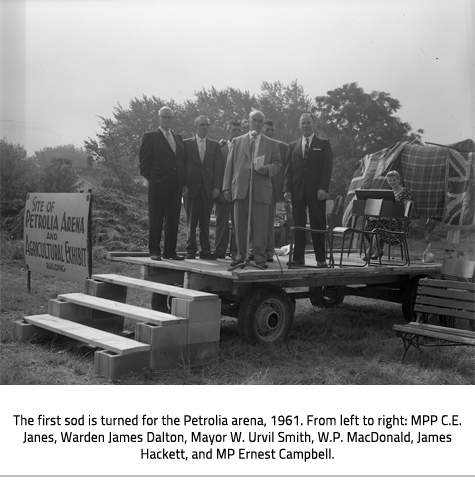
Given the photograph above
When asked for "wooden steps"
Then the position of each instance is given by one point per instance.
(86, 334)
(135, 312)
(168, 290)
(163, 341)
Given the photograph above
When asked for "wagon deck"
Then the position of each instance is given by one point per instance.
(261, 299)
(279, 271)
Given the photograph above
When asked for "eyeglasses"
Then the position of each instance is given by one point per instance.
(166, 117)
(203, 125)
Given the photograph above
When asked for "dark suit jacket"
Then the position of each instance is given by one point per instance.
(278, 179)
(157, 159)
(224, 154)
(210, 172)
(311, 176)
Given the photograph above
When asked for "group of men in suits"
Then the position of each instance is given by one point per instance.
(207, 173)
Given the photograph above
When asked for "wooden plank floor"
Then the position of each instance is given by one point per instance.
(279, 269)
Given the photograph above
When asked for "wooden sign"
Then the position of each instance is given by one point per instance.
(57, 234)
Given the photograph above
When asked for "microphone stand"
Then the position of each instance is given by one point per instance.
(247, 261)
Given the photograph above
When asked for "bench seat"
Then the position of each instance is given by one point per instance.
(450, 300)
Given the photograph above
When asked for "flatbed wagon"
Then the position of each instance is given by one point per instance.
(264, 301)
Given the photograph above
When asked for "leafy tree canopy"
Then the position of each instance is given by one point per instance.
(356, 122)
(78, 156)
(18, 175)
(59, 176)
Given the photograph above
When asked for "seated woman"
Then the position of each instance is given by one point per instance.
(402, 194)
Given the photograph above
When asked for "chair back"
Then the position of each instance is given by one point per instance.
(408, 209)
(458, 270)
(334, 212)
(337, 205)
(373, 207)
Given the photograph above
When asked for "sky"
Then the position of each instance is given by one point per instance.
(64, 63)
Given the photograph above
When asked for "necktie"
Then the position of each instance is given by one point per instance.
(171, 141)
(305, 154)
(202, 150)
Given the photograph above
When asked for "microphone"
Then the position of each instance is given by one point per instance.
(254, 134)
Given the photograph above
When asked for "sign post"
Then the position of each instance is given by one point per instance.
(57, 235)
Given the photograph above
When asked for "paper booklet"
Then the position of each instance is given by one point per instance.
(259, 162)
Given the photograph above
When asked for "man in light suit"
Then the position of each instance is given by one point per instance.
(204, 173)
(224, 208)
(277, 187)
(246, 153)
(162, 163)
(307, 180)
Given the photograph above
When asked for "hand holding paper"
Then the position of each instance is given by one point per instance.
(259, 163)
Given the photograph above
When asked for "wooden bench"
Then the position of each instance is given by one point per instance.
(447, 299)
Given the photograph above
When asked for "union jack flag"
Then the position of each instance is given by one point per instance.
(441, 179)
(371, 174)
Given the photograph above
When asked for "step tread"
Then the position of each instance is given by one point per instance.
(162, 288)
(87, 334)
(122, 309)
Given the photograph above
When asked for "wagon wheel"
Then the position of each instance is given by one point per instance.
(326, 296)
(265, 315)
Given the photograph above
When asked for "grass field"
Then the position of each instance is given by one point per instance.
(352, 344)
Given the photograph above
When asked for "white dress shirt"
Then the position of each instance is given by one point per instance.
(310, 139)
(256, 144)
(198, 142)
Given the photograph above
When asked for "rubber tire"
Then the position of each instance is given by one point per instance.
(265, 316)
(409, 295)
(333, 297)
(160, 303)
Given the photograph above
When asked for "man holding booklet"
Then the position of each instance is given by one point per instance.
(258, 152)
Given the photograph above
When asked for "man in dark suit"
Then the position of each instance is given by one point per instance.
(223, 208)
(277, 187)
(204, 174)
(307, 180)
(260, 154)
(162, 163)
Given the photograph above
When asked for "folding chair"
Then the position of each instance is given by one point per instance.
(372, 209)
(398, 235)
(332, 211)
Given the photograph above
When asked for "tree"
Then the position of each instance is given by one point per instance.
(284, 105)
(78, 156)
(222, 106)
(119, 142)
(59, 176)
(18, 175)
(357, 124)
